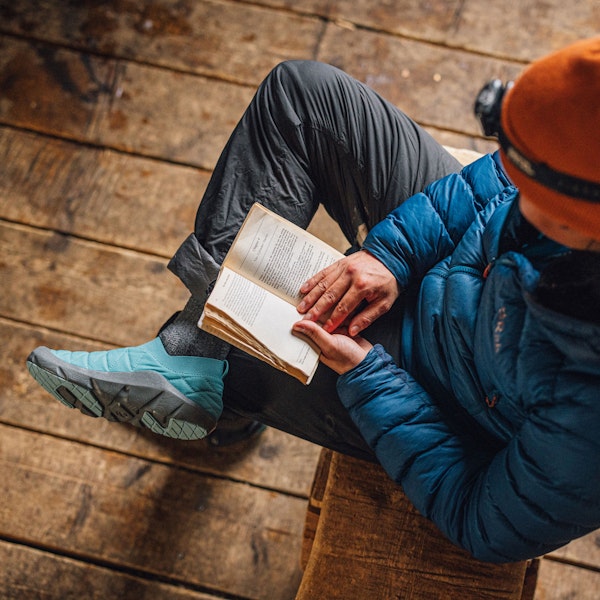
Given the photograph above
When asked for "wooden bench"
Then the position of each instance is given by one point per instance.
(363, 540)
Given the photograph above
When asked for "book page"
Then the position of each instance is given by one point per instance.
(265, 317)
(277, 254)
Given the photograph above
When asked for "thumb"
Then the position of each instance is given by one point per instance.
(313, 331)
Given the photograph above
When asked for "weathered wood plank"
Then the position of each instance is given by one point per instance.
(106, 103)
(370, 542)
(557, 581)
(245, 40)
(61, 185)
(524, 30)
(584, 551)
(235, 41)
(431, 21)
(31, 574)
(84, 288)
(517, 30)
(119, 510)
(434, 86)
(276, 460)
(109, 103)
(44, 87)
(98, 194)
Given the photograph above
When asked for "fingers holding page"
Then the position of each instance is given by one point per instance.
(338, 351)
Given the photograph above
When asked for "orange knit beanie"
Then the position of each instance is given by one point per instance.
(551, 118)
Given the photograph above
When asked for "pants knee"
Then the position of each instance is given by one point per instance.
(303, 71)
(302, 78)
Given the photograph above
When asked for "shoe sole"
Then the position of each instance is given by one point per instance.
(143, 398)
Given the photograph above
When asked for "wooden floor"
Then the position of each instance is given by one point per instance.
(112, 115)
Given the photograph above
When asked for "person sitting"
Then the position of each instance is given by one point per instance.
(460, 337)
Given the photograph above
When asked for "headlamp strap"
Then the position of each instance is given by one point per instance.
(566, 184)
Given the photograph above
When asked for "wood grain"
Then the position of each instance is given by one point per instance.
(98, 194)
(105, 102)
(198, 37)
(522, 31)
(370, 540)
(32, 574)
(106, 507)
(559, 581)
(109, 294)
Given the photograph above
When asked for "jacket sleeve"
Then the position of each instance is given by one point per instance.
(514, 503)
(426, 227)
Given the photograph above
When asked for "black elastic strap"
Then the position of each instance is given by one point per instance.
(563, 183)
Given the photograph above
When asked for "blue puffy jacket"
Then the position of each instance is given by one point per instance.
(495, 433)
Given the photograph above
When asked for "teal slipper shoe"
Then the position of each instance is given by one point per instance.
(175, 396)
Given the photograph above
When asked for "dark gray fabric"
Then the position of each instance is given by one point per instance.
(182, 337)
(195, 266)
(311, 135)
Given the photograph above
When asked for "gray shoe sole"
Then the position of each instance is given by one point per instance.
(143, 398)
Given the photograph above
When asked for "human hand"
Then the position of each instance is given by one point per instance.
(338, 351)
(337, 291)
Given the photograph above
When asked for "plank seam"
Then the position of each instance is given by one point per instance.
(572, 563)
(131, 571)
(163, 463)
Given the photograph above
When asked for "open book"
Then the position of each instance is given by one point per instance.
(253, 303)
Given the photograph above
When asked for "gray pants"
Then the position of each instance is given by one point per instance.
(312, 135)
